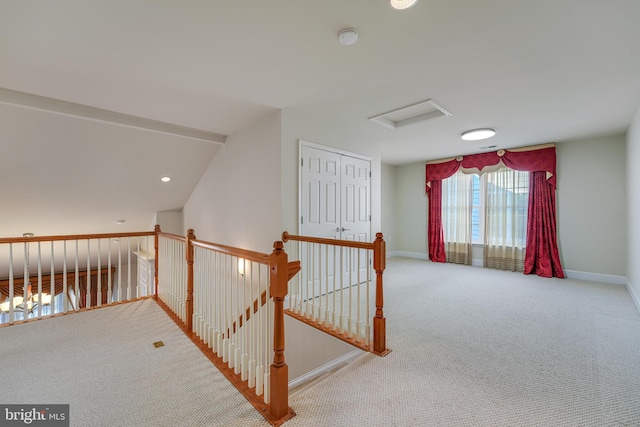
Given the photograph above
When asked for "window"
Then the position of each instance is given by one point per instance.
(488, 209)
(477, 211)
(506, 207)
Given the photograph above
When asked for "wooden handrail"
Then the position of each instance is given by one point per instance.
(4, 240)
(169, 235)
(323, 241)
(230, 250)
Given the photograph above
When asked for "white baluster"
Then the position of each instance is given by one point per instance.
(77, 282)
(11, 290)
(109, 271)
(119, 269)
(129, 268)
(87, 303)
(52, 283)
(65, 298)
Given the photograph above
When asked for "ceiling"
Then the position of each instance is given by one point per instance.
(537, 72)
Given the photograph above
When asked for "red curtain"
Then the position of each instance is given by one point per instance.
(435, 173)
(542, 256)
(436, 233)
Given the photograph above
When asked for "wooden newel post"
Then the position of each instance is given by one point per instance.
(189, 302)
(279, 391)
(379, 322)
(156, 245)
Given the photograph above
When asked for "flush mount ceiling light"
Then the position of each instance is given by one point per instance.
(478, 134)
(402, 4)
(120, 221)
(348, 36)
(414, 113)
(165, 179)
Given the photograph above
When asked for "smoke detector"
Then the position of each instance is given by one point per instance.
(348, 36)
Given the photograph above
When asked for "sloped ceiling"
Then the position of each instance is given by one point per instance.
(538, 72)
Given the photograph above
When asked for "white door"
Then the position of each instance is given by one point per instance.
(335, 203)
(356, 217)
(320, 193)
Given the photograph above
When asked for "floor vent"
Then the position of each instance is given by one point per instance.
(415, 113)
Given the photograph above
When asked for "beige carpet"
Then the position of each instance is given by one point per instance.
(471, 347)
(104, 365)
(478, 347)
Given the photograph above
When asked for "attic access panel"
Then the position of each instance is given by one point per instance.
(415, 113)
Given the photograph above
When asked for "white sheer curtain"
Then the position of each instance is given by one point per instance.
(456, 217)
(507, 196)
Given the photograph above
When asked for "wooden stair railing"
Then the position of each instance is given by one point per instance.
(58, 265)
(223, 333)
(314, 302)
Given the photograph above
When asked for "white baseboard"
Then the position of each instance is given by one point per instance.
(328, 367)
(572, 274)
(634, 296)
(415, 255)
(596, 277)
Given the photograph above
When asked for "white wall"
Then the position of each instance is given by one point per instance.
(633, 209)
(170, 222)
(412, 209)
(591, 204)
(308, 348)
(237, 201)
(389, 208)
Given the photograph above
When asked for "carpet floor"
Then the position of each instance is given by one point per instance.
(470, 347)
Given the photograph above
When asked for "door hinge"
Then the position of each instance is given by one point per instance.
(301, 162)
(301, 220)
(369, 217)
(369, 174)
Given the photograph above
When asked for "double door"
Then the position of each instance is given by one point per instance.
(335, 201)
(335, 195)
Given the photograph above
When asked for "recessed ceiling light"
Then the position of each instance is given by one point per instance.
(165, 179)
(478, 134)
(402, 4)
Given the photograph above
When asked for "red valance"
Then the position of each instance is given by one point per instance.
(534, 160)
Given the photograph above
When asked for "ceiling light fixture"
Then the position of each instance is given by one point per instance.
(402, 4)
(348, 36)
(478, 134)
(165, 179)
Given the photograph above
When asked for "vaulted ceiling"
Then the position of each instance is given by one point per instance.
(536, 71)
